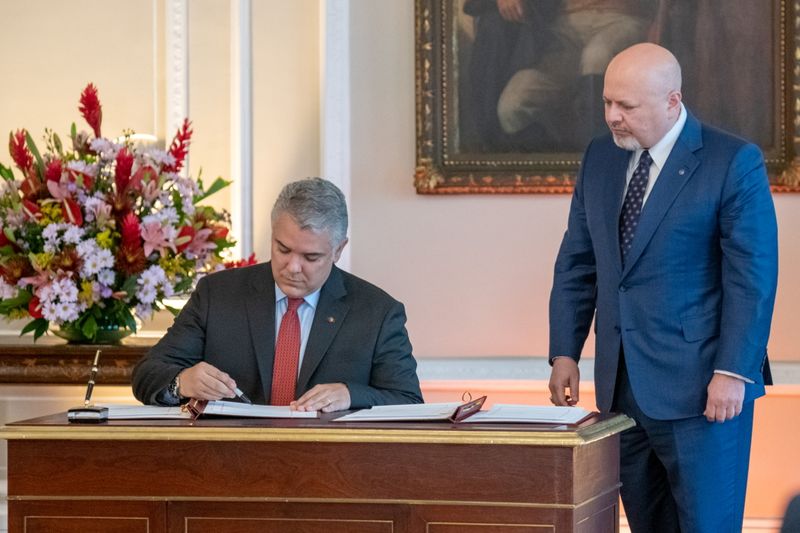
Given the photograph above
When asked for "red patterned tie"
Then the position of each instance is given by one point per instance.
(287, 354)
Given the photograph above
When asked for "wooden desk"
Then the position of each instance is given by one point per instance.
(312, 476)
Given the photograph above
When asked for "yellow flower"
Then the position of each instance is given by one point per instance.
(41, 260)
(51, 213)
(104, 239)
(171, 266)
(86, 295)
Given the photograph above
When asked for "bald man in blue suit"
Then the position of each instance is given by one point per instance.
(671, 247)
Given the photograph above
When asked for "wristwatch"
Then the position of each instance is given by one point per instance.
(175, 387)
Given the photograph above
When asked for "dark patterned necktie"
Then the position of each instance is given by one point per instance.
(287, 355)
(632, 206)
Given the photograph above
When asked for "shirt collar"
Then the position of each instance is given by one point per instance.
(311, 299)
(660, 151)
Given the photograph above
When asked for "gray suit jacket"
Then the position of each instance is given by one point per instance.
(358, 337)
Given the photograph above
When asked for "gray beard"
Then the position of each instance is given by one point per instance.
(627, 143)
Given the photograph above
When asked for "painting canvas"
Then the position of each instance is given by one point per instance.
(509, 92)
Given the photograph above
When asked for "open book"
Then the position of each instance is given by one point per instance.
(526, 414)
(213, 408)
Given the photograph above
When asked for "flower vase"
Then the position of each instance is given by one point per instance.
(111, 334)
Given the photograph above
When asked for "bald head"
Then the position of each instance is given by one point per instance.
(642, 94)
(651, 64)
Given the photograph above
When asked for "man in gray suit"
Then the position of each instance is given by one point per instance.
(354, 350)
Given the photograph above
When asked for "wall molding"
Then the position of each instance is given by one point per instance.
(335, 101)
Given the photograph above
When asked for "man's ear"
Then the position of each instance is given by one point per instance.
(674, 101)
(338, 251)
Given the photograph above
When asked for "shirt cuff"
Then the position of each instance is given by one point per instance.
(731, 374)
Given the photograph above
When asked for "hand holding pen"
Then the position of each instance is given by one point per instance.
(206, 382)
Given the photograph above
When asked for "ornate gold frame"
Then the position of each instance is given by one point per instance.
(439, 170)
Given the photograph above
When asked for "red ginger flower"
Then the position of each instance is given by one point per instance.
(122, 177)
(130, 232)
(90, 108)
(242, 262)
(180, 147)
(18, 146)
(53, 170)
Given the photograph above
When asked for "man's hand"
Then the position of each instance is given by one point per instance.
(206, 382)
(725, 398)
(565, 375)
(511, 10)
(326, 397)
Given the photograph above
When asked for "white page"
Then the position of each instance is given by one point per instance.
(224, 408)
(144, 412)
(214, 407)
(549, 414)
(414, 411)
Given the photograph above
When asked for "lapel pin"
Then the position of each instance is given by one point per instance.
(682, 171)
(331, 320)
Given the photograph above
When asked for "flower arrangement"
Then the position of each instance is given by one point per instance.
(94, 234)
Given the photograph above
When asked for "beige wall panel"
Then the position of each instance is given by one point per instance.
(52, 49)
(209, 94)
(473, 271)
(286, 103)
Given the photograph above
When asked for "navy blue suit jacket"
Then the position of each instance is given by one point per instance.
(698, 286)
(358, 337)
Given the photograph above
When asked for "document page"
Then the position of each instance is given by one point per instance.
(214, 407)
(540, 414)
(415, 411)
(144, 412)
(223, 408)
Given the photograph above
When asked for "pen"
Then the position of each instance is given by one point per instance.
(90, 386)
(241, 396)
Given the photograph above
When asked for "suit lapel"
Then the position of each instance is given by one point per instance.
(260, 306)
(328, 318)
(678, 169)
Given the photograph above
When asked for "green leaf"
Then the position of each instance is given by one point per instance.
(174, 310)
(38, 326)
(9, 233)
(57, 143)
(130, 286)
(20, 300)
(73, 132)
(89, 327)
(183, 285)
(218, 185)
(36, 154)
(6, 173)
(130, 322)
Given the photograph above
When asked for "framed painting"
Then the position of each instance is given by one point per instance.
(509, 92)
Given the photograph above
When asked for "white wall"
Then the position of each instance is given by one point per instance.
(473, 271)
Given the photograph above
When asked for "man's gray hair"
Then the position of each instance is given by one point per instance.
(315, 204)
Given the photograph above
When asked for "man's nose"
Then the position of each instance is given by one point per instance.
(294, 264)
(612, 115)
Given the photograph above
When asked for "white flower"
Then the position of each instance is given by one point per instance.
(152, 277)
(7, 291)
(106, 277)
(144, 311)
(50, 311)
(147, 294)
(83, 166)
(50, 232)
(73, 234)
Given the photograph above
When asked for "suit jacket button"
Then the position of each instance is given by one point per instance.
(623, 288)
